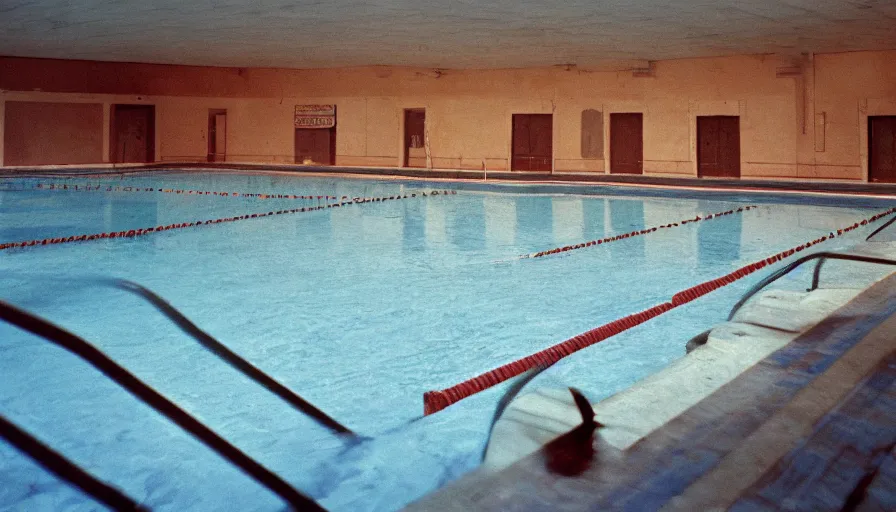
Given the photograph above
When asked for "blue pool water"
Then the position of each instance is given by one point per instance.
(359, 309)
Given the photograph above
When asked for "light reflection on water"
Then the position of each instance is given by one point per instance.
(359, 309)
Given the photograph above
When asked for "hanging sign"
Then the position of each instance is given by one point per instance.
(315, 116)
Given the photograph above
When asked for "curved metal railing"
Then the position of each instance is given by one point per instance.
(816, 274)
(103, 363)
(59, 465)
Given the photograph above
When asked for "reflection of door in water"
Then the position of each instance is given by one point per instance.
(882, 149)
(534, 220)
(127, 213)
(466, 227)
(217, 135)
(532, 145)
(594, 212)
(132, 134)
(718, 240)
(626, 143)
(718, 146)
(627, 215)
(315, 146)
(415, 137)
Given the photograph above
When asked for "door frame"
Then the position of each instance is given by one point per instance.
(609, 149)
(332, 148)
(870, 107)
(405, 154)
(536, 108)
(621, 107)
(868, 129)
(152, 148)
(212, 112)
(553, 156)
(739, 148)
(713, 108)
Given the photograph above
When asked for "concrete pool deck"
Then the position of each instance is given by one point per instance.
(810, 427)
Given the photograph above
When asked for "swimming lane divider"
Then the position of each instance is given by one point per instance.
(131, 233)
(186, 192)
(434, 401)
(591, 243)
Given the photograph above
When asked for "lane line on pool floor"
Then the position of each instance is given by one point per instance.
(591, 243)
(434, 401)
(131, 233)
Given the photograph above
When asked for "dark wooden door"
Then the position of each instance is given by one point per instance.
(718, 146)
(315, 146)
(217, 135)
(627, 143)
(132, 134)
(532, 147)
(882, 149)
(415, 137)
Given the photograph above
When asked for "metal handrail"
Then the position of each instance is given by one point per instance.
(822, 257)
(228, 356)
(878, 230)
(100, 361)
(59, 465)
(508, 397)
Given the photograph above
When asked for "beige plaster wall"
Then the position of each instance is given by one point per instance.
(468, 112)
(46, 133)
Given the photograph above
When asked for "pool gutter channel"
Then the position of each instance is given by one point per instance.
(839, 187)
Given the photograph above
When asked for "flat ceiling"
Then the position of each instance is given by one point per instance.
(436, 33)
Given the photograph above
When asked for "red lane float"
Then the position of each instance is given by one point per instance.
(131, 233)
(119, 188)
(434, 401)
(645, 231)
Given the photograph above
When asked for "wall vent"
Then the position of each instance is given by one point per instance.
(789, 72)
(644, 72)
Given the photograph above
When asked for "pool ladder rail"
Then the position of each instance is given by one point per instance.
(115, 499)
(822, 257)
(65, 469)
(100, 491)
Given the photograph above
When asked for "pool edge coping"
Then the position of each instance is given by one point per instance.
(787, 186)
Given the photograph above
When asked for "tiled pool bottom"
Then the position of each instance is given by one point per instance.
(360, 310)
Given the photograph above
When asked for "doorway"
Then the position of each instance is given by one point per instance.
(627, 143)
(315, 146)
(217, 135)
(532, 142)
(882, 149)
(132, 134)
(415, 137)
(718, 146)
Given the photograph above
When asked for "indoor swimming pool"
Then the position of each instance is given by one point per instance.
(360, 309)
